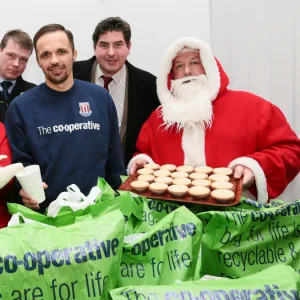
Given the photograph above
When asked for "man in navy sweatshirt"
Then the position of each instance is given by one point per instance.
(68, 127)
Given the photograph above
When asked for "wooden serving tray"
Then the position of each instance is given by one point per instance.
(237, 189)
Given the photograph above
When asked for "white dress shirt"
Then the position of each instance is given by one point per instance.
(116, 87)
(11, 87)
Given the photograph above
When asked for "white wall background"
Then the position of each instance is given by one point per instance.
(154, 23)
(257, 41)
(258, 44)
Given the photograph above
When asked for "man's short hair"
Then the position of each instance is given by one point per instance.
(112, 24)
(50, 28)
(19, 37)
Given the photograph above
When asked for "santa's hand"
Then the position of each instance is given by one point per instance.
(138, 164)
(248, 176)
(28, 201)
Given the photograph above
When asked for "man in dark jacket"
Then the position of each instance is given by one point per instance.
(15, 50)
(133, 90)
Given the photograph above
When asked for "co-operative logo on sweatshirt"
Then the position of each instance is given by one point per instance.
(84, 109)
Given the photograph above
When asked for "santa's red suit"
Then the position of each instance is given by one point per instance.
(4, 150)
(245, 130)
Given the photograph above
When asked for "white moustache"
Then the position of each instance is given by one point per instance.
(187, 86)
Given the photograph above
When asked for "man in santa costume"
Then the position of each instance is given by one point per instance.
(201, 122)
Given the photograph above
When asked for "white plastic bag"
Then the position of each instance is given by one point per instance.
(74, 199)
(16, 220)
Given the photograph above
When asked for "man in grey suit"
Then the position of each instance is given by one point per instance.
(133, 90)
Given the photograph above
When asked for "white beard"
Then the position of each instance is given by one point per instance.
(191, 103)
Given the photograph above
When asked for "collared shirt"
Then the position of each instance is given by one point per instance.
(117, 88)
(11, 87)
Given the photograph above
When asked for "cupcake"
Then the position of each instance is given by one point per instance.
(158, 188)
(139, 186)
(199, 192)
(186, 169)
(178, 190)
(152, 166)
(161, 173)
(168, 167)
(198, 176)
(148, 178)
(182, 181)
(222, 171)
(144, 171)
(201, 182)
(225, 185)
(166, 180)
(223, 196)
(203, 169)
(179, 175)
(218, 177)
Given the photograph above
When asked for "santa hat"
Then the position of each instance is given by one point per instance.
(208, 61)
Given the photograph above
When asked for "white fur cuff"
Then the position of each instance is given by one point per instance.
(135, 158)
(260, 178)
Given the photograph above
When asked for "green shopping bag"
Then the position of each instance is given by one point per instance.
(14, 208)
(168, 252)
(277, 282)
(151, 211)
(108, 192)
(124, 203)
(242, 240)
(77, 261)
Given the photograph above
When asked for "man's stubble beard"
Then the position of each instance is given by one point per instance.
(59, 78)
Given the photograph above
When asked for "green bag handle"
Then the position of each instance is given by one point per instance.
(84, 218)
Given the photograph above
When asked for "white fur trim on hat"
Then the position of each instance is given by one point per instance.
(260, 178)
(135, 158)
(208, 61)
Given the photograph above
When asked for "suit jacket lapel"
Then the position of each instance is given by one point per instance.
(83, 71)
(123, 129)
(1, 98)
(133, 95)
(16, 90)
(93, 71)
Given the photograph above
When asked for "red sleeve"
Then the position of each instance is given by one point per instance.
(278, 150)
(143, 145)
(4, 150)
(4, 147)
